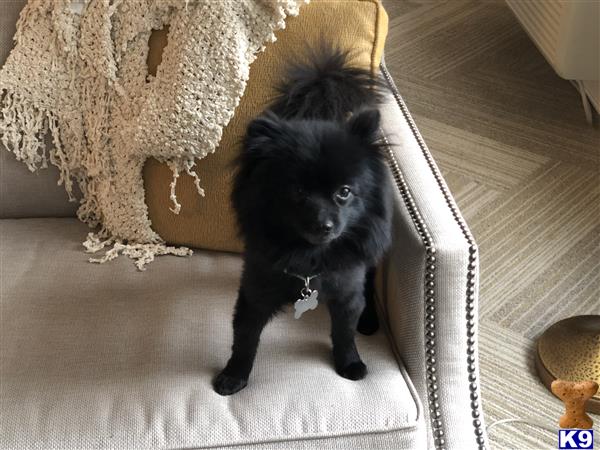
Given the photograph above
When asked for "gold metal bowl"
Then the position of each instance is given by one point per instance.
(570, 350)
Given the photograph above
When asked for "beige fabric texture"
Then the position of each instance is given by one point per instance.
(107, 356)
(403, 286)
(209, 222)
(82, 77)
(23, 194)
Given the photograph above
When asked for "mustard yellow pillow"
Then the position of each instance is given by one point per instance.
(209, 222)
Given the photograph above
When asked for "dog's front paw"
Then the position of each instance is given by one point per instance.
(353, 371)
(225, 384)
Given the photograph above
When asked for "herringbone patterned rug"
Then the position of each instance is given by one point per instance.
(511, 138)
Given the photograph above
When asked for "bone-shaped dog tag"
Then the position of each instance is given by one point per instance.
(308, 301)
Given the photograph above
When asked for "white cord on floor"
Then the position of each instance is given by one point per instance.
(530, 422)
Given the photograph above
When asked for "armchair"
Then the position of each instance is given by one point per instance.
(109, 357)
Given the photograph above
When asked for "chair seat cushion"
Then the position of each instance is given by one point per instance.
(98, 356)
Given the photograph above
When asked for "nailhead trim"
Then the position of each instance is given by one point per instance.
(430, 317)
(426, 237)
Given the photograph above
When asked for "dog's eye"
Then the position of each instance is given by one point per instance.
(343, 193)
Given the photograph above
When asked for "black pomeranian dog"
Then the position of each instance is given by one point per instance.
(312, 198)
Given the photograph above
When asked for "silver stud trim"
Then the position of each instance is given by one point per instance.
(430, 250)
(429, 284)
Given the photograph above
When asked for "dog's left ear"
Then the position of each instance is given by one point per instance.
(365, 124)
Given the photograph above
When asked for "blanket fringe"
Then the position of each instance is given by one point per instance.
(23, 129)
(142, 254)
(176, 166)
(176, 205)
(189, 165)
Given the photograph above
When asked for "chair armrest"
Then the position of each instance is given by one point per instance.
(429, 286)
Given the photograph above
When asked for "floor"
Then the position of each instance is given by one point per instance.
(510, 137)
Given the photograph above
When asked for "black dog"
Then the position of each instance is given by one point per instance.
(312, 201)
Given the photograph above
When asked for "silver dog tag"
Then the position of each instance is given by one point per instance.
(308, 301)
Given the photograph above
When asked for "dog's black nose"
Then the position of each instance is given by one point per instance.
(326, 227)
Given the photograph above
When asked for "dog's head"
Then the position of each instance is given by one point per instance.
(308, 179)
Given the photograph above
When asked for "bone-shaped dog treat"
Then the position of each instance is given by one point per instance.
(304, 304)
(574, 395)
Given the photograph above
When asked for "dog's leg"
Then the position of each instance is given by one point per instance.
(368, 323)
(344, 319)
(248, 323)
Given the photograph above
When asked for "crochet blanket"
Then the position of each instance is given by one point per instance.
(78, 72)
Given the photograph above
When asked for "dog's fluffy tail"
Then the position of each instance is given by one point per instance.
(326, 86)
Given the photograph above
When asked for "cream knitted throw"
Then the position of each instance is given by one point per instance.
(78, 71)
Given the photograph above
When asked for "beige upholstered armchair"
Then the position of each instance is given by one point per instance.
(105, 356)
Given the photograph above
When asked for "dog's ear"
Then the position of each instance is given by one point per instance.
(263, 130)
(365, 124)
